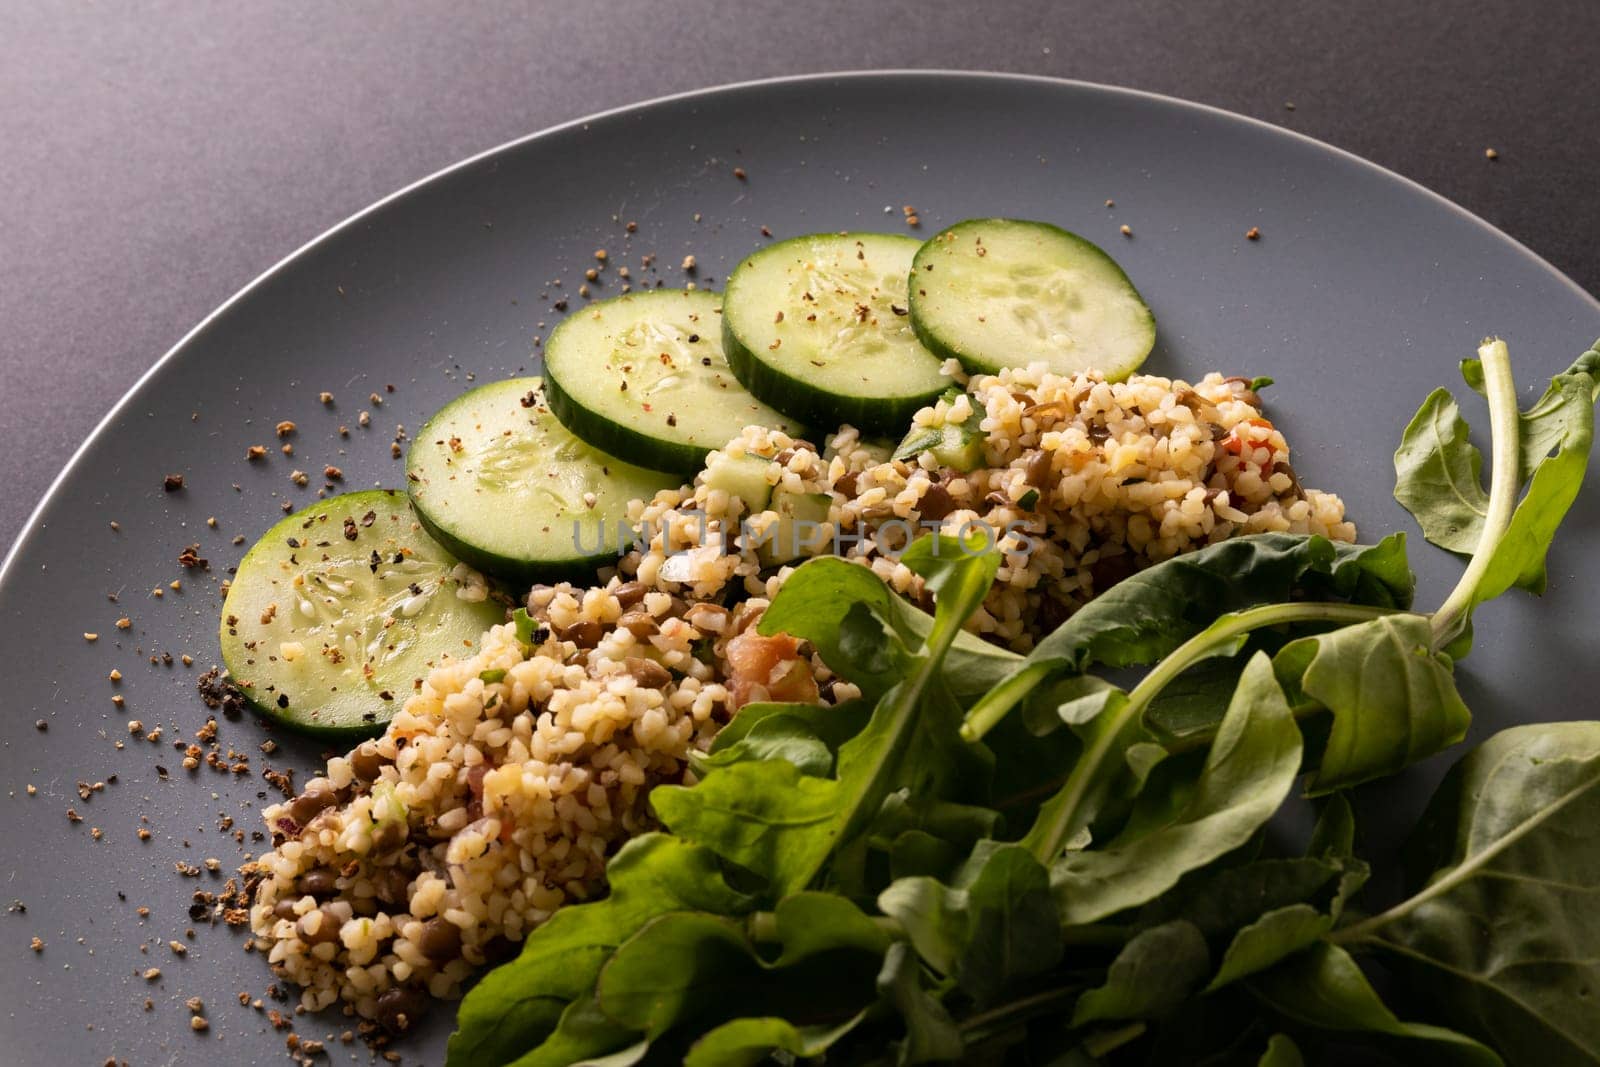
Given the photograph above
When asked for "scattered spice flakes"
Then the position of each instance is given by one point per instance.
(1253, 234)
(738, 172)
(632, 227)
(178, 948)
(116, 527)
(765, 232)
(172, 483)
(332, 473)
(375, 400)
(152, 973)
(190, 559)
(326, 397)
(600, 254)
(298, 477)
(255, 452)
(37, 944)
(1490, 154)
(1126, 230)
(285, 428)
(689, 264)
(198, 1024)
(41, 725)
(364, 419)
(1111, 203)
(287, 449)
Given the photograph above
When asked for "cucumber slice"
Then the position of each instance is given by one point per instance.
(743, 476)
(643, 375)
(505, 487)
(819, 328)
(958, 446)
(999, 293)
(337, 612)
(798, 529)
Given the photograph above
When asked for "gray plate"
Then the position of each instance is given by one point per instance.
(1362, 293)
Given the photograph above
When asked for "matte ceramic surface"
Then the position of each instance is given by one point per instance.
(1361, 295)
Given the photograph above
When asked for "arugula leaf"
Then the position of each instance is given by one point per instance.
(834, 724)
(790, 738)
(1281, 932)
(752, 1040)
(520, 1003)
(1439, 472)
(930, 1033)
(769, 818)
(819, 597)
(1221, 900)
(995, 929)
(1281, 1052)
(1505, 934)
(1439, 475)
(695, 967)
(1152, 974)
(1323, 987)
(1519, 558)
(1393, 698)
(1335, 831)
(763, 815)
(1150, 614)
(585, 1035)
(1248, 772)
(1545, 449)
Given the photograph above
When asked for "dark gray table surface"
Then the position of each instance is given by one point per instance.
(154, 157)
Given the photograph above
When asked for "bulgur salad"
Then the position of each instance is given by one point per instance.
(736, 692)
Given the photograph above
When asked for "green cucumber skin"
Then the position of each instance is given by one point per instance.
(811, 406)
(800, 399)
(517, 573)
(633, 446)
(974, 362)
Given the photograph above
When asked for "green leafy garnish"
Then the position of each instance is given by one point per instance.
(989, 856)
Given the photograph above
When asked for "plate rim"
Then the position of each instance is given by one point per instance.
(31, 528)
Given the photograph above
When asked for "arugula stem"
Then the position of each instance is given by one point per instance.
(1504, 481)
(1051, 839)
(994, 706)
(761, 927)
(1018, 1008)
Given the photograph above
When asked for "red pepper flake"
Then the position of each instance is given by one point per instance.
(738, 172)
(172, 483)
(1253, 234)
